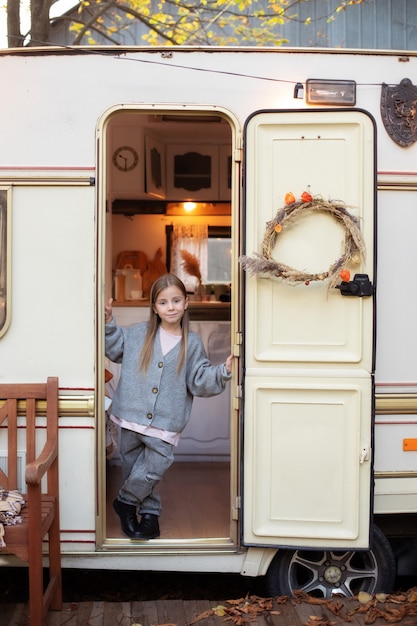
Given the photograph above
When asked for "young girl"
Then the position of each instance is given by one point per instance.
(163, 366)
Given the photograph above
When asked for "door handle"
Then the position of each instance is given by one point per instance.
(360, 286)
(364, 456)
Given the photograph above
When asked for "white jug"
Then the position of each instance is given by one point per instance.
(133, 283)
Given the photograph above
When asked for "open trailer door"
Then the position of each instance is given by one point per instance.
(309, 345)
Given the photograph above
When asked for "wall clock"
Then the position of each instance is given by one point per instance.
(125, 158)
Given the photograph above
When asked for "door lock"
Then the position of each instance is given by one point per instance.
(360, 286)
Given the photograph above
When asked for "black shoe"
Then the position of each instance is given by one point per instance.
(148, 527)
(128, 518)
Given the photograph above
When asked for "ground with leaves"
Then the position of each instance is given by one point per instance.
(391, 608)
(247, 600)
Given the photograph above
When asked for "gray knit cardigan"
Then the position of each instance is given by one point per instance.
(162, 398)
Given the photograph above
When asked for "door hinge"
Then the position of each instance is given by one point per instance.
(236, 400)
(237, 344)
(237, 155)
(236, 508)
(236, 404)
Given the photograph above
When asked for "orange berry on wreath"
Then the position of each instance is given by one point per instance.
(278, 228)
(289, 198)
(345, 275)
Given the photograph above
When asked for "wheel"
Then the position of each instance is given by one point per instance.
(322, 573)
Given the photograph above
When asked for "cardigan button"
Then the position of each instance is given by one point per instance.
(149, 416)
(155, 390)
(160, 364)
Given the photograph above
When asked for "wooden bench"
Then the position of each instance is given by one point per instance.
(23, 428)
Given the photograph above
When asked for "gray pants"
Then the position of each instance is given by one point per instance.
(144, 462)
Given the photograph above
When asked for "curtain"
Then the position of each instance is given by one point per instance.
(189, 255)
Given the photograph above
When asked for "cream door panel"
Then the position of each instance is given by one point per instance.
(307, 446)
(311, 325)
(309, 350)
(331, 154)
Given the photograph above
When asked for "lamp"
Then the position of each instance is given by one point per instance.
(323, 91)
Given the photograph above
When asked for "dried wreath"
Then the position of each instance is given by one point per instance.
(354, 245)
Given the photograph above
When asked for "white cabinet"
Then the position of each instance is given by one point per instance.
(207, 434)
(198, 172)
(192, 172)
(143, 166)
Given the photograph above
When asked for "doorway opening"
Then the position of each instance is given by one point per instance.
(169, 180)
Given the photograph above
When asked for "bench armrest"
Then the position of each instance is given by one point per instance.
(37, 469)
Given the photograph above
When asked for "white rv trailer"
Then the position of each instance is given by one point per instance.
(305, 468)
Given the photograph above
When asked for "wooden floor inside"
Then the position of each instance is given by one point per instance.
(195, 500)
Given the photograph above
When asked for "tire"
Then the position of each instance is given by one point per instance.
(323, 573)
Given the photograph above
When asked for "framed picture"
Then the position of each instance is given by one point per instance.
(155, 167)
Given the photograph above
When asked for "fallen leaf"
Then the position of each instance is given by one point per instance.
(397, 598)
(381, 597)
(235, 601)
(364, 597)
(371, 615)
(412, 595)
(281, 599)
(336, 607)
(203, 615)
(219, 610)
(312, 600)
(316, 620)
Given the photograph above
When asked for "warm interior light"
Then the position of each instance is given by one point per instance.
(189, 206)
(198, 208)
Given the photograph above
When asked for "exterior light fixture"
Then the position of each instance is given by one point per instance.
(322, 91)
(299, 91)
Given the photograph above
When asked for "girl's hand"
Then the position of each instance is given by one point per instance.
(108, 315)
(229, 362)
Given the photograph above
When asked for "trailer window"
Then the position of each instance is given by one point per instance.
(4, 260)
(218, 254)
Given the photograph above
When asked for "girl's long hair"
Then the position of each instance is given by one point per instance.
(164, 281)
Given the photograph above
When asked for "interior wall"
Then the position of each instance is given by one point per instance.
(147, 232)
